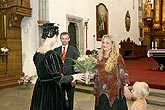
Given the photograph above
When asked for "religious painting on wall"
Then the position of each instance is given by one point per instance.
(101, 21)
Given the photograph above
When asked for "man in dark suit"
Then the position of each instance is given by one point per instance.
(69, 53)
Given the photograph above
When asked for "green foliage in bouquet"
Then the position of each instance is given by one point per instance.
(85, 63)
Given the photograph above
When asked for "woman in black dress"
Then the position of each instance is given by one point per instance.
(47, 94)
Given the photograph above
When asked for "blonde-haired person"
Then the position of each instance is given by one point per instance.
(139, 92)
(111, 78)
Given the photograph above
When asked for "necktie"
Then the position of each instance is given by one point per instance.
(63, 55)
(63, 58)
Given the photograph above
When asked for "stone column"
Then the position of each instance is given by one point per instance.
(43, 12)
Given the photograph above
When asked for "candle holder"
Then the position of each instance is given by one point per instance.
(156, 45)
(152, 46)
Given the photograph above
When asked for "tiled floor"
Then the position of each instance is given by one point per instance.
(17, 98)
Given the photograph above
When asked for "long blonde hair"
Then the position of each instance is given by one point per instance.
(113, 55)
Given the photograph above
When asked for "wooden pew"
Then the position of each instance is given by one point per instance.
(128, 49)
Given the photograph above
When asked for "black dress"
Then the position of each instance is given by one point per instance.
(47, 93)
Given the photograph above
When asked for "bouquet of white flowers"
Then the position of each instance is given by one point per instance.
(4, 49)
(85, 63)
(25, 80)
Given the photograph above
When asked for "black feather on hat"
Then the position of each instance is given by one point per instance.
(49, 30)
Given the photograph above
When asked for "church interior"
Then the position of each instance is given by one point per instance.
(138, 27)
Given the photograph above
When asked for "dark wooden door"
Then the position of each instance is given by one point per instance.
(72, 32)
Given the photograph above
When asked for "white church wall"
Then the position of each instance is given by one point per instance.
(30, 39)
(117, 20)
(85, 9)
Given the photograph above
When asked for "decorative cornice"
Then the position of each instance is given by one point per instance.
(41, 22)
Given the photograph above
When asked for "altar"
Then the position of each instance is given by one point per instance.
(159, 56)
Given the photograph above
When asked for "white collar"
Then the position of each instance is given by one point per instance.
(66, 47)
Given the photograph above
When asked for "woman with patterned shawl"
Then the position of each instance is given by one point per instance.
(111, 78)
